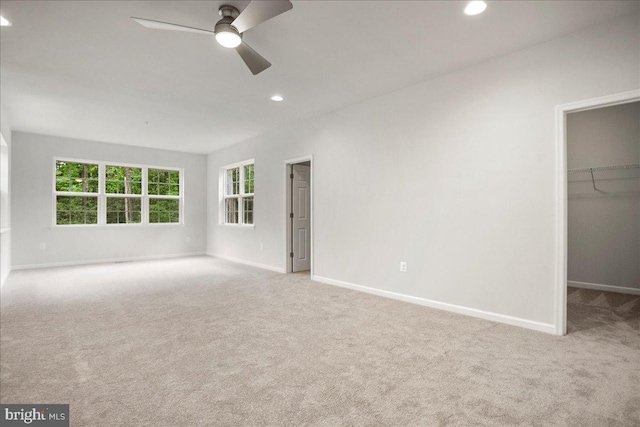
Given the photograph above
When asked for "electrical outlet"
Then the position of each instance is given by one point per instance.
(403, 266)
(43, 246)
(188, 239)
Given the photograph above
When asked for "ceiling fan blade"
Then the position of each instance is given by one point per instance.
(257, 12)
(159, 25)
(254, 61)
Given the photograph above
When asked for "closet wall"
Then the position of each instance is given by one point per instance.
(604, 223)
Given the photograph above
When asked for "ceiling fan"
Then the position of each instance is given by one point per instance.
(229, 30)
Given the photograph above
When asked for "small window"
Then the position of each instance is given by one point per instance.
(76, 177)
(164, 196)
(238, 191)
(233, 181)
(164, 210)
(120, 182)
(123, 180)
(247, 210)
(75, 182)
(248, 179)
(124, 210)
(231, 208)
(76, 210)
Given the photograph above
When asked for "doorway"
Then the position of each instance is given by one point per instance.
(574, 181)
(603, 214)
(299, 215)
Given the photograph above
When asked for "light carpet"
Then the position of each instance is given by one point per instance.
(204, 342)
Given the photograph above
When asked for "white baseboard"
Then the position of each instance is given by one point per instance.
(103, 261)
(250, 263)
(607, 288)
(486, 315)
(5, 275)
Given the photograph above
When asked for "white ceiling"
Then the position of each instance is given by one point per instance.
(85, 70)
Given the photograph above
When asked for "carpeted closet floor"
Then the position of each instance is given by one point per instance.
(204, 342)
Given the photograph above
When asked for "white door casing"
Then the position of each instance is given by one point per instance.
(301, 224)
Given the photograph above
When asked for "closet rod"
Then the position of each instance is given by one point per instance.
(604, 168)
(600, 169)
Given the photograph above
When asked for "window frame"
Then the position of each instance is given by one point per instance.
(102, 195)
(122, 195)
(223, 196)
(148, 197)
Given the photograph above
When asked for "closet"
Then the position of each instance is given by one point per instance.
(603, 159)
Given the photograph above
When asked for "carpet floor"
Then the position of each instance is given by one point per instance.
(203, 342)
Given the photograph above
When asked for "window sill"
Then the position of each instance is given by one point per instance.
(107, 226)
(245, 226)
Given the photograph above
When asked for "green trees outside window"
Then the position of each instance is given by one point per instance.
(248, 179)
(165, 183)
(164, 210)
(123, 180)
(124, 210)
(90, 193)
(76, 210)
(239, 186)
(76, 177)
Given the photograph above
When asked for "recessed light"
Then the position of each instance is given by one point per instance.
(475, 7)
(4, 22)
(277, 98)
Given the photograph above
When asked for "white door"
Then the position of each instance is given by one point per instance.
(301, 224)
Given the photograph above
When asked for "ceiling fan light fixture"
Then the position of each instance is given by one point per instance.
(226, 35)
(475, 7)
(228, 39)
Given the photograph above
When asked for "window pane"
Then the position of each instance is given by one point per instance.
(153, 189)
(247, 213)
(231, 211)
(76, 210)
(163, 183)
(164, 210)
(233, 181)
(76, 177)
(248, 179)
(153, 175)
(124, 210)
(123, 180)
(163, 189)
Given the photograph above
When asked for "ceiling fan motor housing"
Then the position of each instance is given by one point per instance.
(229, 14)
(228, 10)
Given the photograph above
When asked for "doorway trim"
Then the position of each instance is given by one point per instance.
(561, 193)
(287, 191)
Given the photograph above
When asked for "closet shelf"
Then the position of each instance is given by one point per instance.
(604, 168)
(631, 172)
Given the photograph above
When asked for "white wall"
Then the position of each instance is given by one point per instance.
(604, 226)
(32, 171)
(454, 175)
(5, 202)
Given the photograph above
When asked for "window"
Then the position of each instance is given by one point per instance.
(76, 193)
(238, 183)
(164, 196)
(90, 193)
(123, 187)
